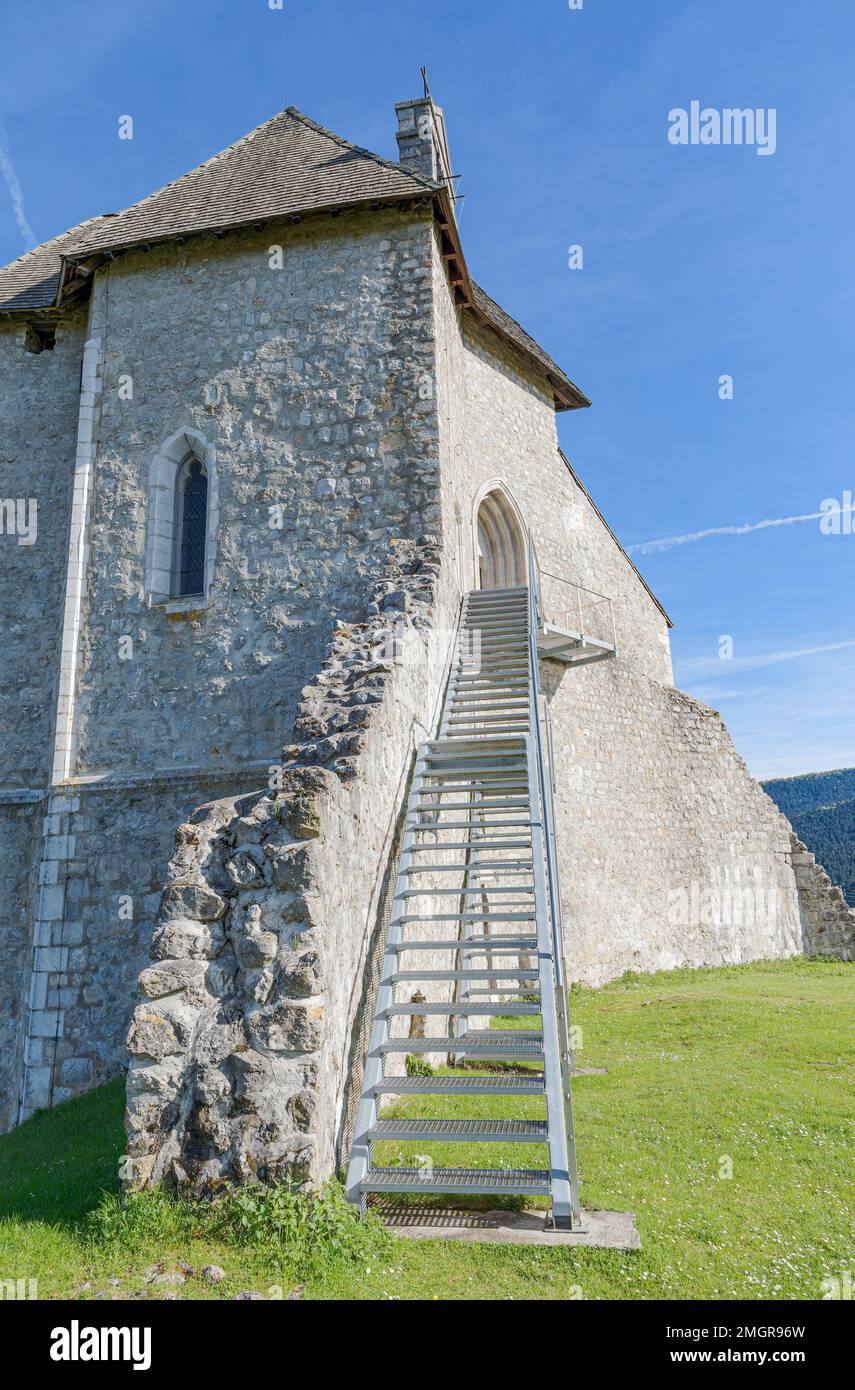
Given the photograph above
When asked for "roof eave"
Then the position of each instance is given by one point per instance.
(77, 270)
(566, 396)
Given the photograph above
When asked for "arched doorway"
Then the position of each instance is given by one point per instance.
(501, 546)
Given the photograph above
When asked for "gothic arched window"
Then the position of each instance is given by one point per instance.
(183, 518)
(190, 528)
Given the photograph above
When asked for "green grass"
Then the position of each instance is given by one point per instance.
(749, 1063)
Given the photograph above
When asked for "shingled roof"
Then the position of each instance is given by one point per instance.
(287, 167)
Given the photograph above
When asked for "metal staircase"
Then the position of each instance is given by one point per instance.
(477, 910)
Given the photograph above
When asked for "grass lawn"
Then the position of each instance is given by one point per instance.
(746, 1070)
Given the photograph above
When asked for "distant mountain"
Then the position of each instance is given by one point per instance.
(821, 807)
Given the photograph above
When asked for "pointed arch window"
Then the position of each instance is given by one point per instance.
(183, 519)
(191, 528)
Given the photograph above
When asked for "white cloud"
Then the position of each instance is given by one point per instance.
(667, 542)
(713, 665)
(7, 169)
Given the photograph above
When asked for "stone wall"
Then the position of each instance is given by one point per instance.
(304, 380)
(83, 970)
(305, 371)
(20, 823)
(242, 1048)
(38, 424)
(497, 423)
(828, 923)
(38, 419)
(671, 854)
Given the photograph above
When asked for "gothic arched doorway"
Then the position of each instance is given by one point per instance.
(501, 547)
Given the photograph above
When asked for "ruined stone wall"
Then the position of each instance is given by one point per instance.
(670, 853)
(243, 1061)
(828, 922)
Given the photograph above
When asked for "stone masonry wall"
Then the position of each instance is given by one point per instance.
(497, 422)
(241, 1056)
(38, 418)
(305, 380)
(38, 422)
(20, 823)
(120, 838)
(828, 923)
(305, 372)
(670, 853)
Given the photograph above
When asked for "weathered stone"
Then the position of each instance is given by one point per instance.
(180, 940)
(286, 1026)
(304, 976)
(193, 902)
(172, 976)
(303, 1108)
(254, 1078)
(152, 1035)
(294, 1165)
(255, 950)
(246, 868)
(292, 865)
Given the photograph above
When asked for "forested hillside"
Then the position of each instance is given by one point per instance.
(821, 807)
(796, 794)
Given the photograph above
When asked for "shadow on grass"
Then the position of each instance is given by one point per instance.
(55, 1167)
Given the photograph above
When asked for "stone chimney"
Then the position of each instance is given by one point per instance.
(422, 141)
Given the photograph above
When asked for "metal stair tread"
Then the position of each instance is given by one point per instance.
(534, 1181)
(466, 1131)
(463, 1009)
(530, 1084)
(478, 944)
(524, 1050)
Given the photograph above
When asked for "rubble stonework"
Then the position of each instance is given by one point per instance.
(238, 1042)
(828, 922)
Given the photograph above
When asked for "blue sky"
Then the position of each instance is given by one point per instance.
(698, 261)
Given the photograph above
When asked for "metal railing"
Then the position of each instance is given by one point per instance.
(541, 734)
(573, 607)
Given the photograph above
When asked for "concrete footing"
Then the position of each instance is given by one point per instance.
(608, 1230)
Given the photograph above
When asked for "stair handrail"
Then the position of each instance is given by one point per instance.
(545, 772)
(543, 760)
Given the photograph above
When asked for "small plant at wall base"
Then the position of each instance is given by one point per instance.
(308, 1232)
(418, 1066)
(302, 1233)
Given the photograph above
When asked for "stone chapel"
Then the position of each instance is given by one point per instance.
(265, 431)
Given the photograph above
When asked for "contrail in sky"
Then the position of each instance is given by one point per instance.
(7, 169)
(668, 542)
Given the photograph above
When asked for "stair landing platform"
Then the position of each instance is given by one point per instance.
(606, 1230)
